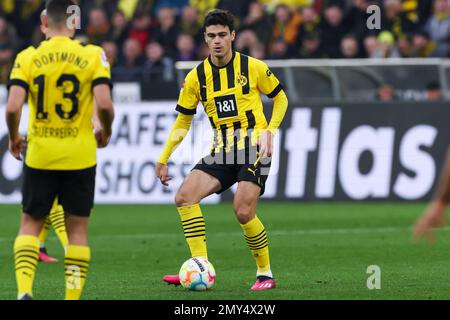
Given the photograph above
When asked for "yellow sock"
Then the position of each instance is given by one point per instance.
(194, 229)
(76, 265)
(59, 223)
(44, 232)
(26, 253)
(255, 235)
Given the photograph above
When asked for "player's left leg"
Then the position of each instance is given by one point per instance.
(244, 205)
(77, 198)
(57, 220)
(43, 256)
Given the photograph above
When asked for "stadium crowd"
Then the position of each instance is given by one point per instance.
(143, 38)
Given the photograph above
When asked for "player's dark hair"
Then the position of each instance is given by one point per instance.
(221, 17)
(57, 10)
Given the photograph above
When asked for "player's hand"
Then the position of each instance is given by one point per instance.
(16, 147)
(266, 144)
(432, 218)
(162, 172)
(102, 137)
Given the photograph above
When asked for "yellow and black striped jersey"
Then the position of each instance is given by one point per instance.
(59, 77)
(231, 98)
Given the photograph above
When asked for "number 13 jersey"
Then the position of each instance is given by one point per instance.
(59, 77)
(231, 98)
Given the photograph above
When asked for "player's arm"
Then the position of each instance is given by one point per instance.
(105, 113)
(103, 105)
(187, 104)
(269, 85)
(18, 89)
(16, 99)
(176, 136)
(434, 214)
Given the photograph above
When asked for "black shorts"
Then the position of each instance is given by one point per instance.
(74, 188)
(233, 167)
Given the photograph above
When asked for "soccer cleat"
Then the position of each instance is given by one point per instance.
(263, 283)
(45, 258)
(172, 279)
(26, 296)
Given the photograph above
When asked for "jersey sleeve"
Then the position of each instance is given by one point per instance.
(189, 95)
(268, 83)
(20, 73)
(102, 69)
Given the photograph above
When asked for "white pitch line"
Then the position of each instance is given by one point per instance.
(270, 233)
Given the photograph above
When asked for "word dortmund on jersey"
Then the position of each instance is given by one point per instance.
(59, 76)
(231, 98)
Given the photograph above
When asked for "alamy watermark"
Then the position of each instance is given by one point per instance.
(74, 279)
(374, 21)
(374, 280)
(74, 20)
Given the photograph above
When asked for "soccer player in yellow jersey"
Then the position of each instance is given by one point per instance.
(228, 84)
(56, 216)
(433, 216)
(62, 78)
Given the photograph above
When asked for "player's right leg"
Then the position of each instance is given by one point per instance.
(196, 186)
(39, 189)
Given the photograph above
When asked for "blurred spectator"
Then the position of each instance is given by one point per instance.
(6, 50)
(356, 18)
(98, 29)
(157, 66)
(310, 22)
(293, 4)
(186, 48)
(132, 54)
(285, 30)
(332, 30)
(438, 27)
(166, 30)
(310, 48)
(203, 51)
(370, 45)
(120, 28)
(258, 21)
(258, 52)
(203, 7)
(422, 46)
(130, 65)
(386, 93)
(245, 41)
(240, 8)
(189, 24)
(350, 47)
(395, 19)
(404, 46)
(278, 50)
(25, 16)
(140, 29)
(386, 46)
(433, 92)
(112, 52)
(177, 5)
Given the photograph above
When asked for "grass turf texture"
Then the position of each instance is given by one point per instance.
(318, 251)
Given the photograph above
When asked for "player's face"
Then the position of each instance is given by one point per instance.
(219, 40)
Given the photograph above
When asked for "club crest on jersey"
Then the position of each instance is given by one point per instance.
(241, 80)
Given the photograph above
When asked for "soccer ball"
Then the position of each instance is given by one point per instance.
(197, 274)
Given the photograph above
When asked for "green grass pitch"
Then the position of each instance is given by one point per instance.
(318, 251)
